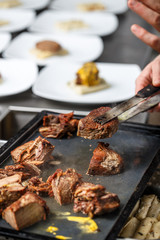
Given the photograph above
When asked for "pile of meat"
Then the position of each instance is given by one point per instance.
(88, 198)
(20, 185)
(59, 126)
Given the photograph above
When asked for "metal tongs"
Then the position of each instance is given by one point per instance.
(142, 101)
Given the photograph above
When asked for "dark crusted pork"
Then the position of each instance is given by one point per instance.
(26, 211)
(38, 186)
(10, 190)
(58, 126)
(25, 170)
(34, 152)
(92, 199)
(64, 185)
(105, 161)
(88, 128)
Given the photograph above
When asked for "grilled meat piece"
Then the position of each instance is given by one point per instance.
(39, 187)
(105, 161)
(88, 128)
(25, 170)
(10, 190)
(34, 152)
(58, 126)
(26, 211)
(92, 199)
(64, 185)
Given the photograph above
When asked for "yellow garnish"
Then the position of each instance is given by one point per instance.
(52, 229)
(88, 75)
(86, 224)
(62, 237)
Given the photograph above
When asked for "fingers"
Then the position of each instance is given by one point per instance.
(148, 38)
(153, 4)
(156, 72)
(149, 15)
(143, 79)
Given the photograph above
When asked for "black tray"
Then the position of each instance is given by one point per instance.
(138, 145)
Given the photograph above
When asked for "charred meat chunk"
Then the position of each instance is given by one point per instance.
(92, 199)
(88, 128)
(10, 190)
(38, 186)
(26, 211)
(64, 185)
(58, 126)
(33, 152)
(105, 161)
(25, 170)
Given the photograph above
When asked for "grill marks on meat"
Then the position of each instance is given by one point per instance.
(92, 199)
(105, 161)
(34, 152)
(10, 190)
(26, 211)
(64, 185)
(58, 126)
(88, 128)
(25, 170)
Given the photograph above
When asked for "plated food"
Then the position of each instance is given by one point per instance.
(87, 80)
(93, 6)
(70, 25)
(9, 3)
(3, 22)
(48, 48)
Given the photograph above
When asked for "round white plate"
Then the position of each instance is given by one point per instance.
(80, 48)
(52, 83)
(17, 75)
(101, 24)
(18, 19)
(4, 40)
(114, 6)
(33, 4)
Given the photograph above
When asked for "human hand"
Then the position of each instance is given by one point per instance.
(150, 75)
(150, 11)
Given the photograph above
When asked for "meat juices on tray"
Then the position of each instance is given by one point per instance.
(26, 211)
(105, 161)
(34, 152)
(93, 200)
(88, 128)
(59, 126)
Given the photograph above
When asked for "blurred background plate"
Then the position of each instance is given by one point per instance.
(114, 6)
(80, 48)
(4, 40)
(14, 82)
(95, 23)
(33, 4)
(18, 19)
(52, 83)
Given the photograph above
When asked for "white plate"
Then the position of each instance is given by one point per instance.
(4, 40)
(18, 19)
(52, 83)
(19, 80)
(97, 23)
(114, 6)
(33, 4)
(80, 48)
